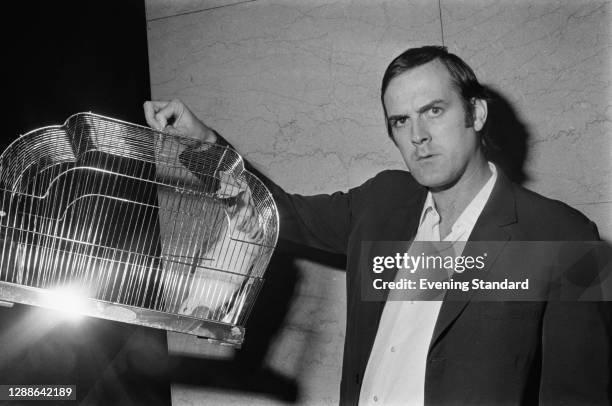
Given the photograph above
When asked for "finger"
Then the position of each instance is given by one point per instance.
(149, 113)
(174, 110)
(159, 104)
(150, 108)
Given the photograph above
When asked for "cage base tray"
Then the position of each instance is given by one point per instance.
(220, 333)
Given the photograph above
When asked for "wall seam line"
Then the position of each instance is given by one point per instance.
(441, 24)
(200, 10)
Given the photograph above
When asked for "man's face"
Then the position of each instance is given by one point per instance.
(428, 123)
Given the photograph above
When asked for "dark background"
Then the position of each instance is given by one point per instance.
(65, 57)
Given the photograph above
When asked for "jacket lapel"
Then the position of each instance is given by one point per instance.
(492, 225)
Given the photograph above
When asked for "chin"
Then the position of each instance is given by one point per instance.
(428, 182)
(433, 181)
(426, 178)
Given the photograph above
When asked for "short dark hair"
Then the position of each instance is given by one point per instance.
(462, 76)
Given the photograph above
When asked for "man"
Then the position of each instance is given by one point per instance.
(464, 352)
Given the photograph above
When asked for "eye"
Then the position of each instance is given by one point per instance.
(434, 111)
(399, 122)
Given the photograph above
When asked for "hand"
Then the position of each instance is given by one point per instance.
(176, 119)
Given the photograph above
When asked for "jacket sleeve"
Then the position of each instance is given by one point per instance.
(319, 221)
(576, 350)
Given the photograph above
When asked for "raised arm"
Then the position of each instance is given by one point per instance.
(321, 221)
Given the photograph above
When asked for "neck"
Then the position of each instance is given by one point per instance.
(451, 201)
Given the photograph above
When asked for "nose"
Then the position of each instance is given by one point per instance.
(420, 133)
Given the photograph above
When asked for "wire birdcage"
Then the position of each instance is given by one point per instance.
(135, 225)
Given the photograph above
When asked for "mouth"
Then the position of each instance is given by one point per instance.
(425, 157)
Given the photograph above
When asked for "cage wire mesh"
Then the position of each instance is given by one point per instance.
(142, 226)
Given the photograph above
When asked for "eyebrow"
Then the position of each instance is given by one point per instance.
(396, 117)
(430, 105)
(420, 110)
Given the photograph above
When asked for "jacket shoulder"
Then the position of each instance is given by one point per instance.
(394, 179)
(553, 215)
(391, 184)
(389, 189)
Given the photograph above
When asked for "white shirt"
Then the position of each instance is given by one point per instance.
(395, 373)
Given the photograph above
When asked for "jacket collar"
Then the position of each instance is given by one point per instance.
(500, 211)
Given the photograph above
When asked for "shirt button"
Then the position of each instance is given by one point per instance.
(392, 349)
(375, 398)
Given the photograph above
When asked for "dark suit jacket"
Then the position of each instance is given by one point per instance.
(480, 353)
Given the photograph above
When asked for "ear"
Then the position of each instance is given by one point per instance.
(480, 113)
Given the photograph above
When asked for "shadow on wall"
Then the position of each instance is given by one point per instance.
(247, 372)
(508, 137)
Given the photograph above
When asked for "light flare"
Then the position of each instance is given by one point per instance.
(69, 301)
